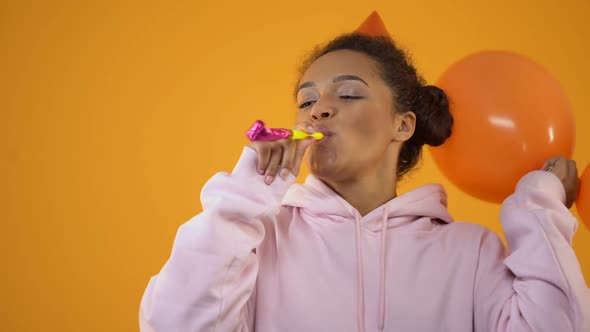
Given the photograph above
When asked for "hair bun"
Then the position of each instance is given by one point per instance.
(434, 120)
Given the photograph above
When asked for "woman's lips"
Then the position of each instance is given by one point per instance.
(325, 131)
(327, 135)
(321, 129)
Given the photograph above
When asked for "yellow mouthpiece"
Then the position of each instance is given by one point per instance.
(300, 134)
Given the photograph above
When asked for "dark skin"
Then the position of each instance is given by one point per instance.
(342, 95)
(567, 172)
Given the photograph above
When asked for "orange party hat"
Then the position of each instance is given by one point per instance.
(373, 26)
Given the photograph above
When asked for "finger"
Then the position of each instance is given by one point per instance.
(287, 161)
(299, 153)
(573, 167)
(263, 158)
(569, 183)
(273, 164)
(562, 169)
(575, 180)
(550, 164)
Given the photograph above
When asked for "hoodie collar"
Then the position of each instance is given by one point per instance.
(321, 201)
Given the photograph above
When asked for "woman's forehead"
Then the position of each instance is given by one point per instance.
(338, 63)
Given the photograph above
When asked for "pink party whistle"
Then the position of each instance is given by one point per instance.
(259, 132)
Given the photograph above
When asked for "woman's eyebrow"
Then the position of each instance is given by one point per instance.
(305, 85)
(349, 78)
(335, 80)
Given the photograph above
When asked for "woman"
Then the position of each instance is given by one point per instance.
(343, 252)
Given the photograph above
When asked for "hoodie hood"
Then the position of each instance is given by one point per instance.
(319, 200)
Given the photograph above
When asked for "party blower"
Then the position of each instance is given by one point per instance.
(259, 132)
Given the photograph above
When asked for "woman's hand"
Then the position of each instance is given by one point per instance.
(567, 172)
(280, 157)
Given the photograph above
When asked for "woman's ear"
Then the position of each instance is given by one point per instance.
(405, 125)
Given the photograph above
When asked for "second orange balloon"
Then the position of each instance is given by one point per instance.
(583, 201)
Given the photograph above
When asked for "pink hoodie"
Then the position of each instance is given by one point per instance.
(299, 258)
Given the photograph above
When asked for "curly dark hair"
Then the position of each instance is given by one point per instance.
(410, 93)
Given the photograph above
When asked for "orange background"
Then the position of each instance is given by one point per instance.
(115, 113)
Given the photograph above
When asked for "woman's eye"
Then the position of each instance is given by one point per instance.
(347, 97)
(305, 104)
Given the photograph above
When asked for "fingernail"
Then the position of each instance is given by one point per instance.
(284, 172)
(268, 179)
(260, 171)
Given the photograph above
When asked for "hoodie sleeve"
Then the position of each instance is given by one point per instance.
(538, 285)
(207, 283)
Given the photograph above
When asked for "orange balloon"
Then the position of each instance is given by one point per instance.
(510, 116)
(583, 200)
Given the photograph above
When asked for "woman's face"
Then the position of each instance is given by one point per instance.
(342, 95)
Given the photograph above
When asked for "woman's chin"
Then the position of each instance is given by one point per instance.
(322, 169)
(323, 162)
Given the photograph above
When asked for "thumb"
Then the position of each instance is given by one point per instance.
(302, 145)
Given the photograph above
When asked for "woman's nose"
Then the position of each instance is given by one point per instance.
(321, 112)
